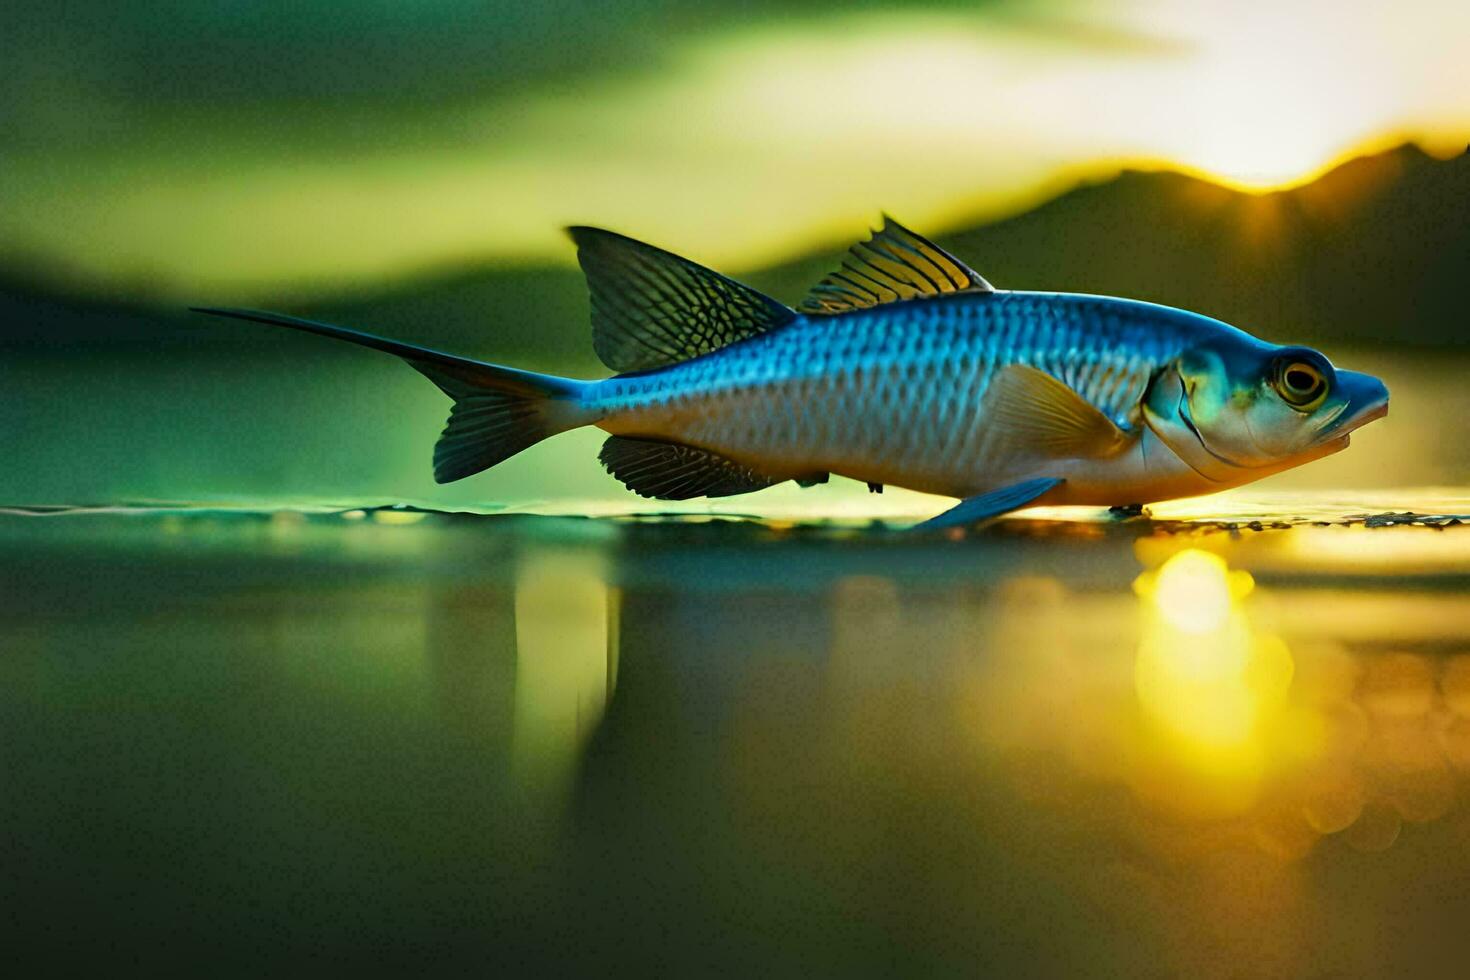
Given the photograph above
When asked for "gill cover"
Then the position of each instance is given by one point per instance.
(1241, 404)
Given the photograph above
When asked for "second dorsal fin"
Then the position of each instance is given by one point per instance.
(894, 264)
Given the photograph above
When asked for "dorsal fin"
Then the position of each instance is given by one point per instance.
(674, 471)
(651, 308)
(894, 264)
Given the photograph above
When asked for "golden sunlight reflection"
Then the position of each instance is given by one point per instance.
(1195, 591)
(566, 664)
(1205, 680)
(1229, 713)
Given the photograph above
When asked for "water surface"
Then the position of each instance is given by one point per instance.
(252, 718)
(261, 738)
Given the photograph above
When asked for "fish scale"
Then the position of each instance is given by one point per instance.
(895, 386)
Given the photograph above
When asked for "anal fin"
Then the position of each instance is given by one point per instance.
(973, 510)
(675, 471)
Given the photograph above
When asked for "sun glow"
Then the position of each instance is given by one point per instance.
(1269, 103)
(748, 146)
(1257, 164)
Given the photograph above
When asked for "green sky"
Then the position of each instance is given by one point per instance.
(246, 148)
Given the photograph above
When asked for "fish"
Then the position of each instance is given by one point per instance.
(903, 367)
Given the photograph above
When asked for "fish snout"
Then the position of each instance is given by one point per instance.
(1367, 401)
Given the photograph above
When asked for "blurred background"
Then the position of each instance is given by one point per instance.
(290, 727)
(1296, 168)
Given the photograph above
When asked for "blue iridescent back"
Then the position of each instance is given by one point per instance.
(898, 389)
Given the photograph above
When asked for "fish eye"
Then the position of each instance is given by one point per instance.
(1301, 384)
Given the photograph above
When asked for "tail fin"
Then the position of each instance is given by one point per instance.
(498, 411)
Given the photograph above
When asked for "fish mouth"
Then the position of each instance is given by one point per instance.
(1341, 435)
(1366, 401)
(1369, 414)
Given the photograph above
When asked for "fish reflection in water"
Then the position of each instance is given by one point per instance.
(566, 664)
(1206, 715)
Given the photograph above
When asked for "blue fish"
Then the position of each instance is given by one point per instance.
(903, 367)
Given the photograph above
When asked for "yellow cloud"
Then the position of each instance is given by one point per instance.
(754, 146)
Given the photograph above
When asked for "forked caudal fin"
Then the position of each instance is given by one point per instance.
(498, 411)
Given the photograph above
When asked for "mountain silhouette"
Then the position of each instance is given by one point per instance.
(1375, 252)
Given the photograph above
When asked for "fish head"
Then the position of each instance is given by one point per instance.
(1236, 409)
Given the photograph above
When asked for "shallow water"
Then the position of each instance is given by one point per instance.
(251, 717)
(346, 736)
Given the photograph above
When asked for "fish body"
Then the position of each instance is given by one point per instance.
(904, 367)
(896, 394)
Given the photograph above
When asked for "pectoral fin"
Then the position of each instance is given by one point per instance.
(1036, 415)
(973, 510)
